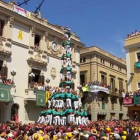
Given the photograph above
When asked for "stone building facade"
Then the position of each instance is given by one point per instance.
(99, 65)
(30, 44)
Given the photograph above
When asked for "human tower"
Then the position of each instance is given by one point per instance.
(63, 106)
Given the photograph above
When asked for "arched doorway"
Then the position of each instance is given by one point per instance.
(14, 111)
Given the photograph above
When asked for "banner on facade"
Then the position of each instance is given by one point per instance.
(40, 98)
(136, 100)
(85, 89)
(21, 11)
(96, 89)
(127, 101)
(5, 93)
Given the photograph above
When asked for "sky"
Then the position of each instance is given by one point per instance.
(103, 23)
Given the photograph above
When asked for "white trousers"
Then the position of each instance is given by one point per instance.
(68, 61)
(48, 119)
(68, 103)
(63, 50)
(76, 105)
(79, 120)
(61, 103)
(56, 120)
(49, 104)
(71, 118)
(42, 119)
(83, 118)
(67, 37)
(39, 119)
(85, 122)
(68, 49)
(61, 76)
(63, 121)
(69, 74)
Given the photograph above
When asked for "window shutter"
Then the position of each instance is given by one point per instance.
(113, 84)
(105, 80)
(4, 71)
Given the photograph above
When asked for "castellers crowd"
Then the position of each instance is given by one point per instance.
(96, 130)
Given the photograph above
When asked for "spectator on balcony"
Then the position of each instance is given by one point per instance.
(127, 95)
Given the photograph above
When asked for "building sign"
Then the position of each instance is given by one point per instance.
(40, 98)
(96, 89)
(127, 101)
(5, 94)
(21, 11)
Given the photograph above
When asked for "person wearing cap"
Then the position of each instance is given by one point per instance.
(68, 55)
(67, 33)
(61, 72)
(70, 115)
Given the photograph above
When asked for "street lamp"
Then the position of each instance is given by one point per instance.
(32, 75)
(13, 73)
(47, 81)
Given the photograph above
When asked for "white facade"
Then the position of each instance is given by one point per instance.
(18, 39)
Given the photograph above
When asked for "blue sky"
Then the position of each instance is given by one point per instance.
(104, 23)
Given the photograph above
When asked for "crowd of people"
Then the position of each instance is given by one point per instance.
(96, 130)
(132, 94)
(6, 81)
(136, 32)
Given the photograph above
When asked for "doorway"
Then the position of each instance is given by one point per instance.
(14, 111)
(101, 117)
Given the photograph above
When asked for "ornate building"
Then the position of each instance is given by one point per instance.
(30, 48)
(106, 75)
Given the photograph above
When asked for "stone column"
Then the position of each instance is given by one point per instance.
(32, 37)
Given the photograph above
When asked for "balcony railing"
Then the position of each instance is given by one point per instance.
(137, 65)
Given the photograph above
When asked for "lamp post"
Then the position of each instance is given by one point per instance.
(47, 81)
(32, 75)
(13, 73)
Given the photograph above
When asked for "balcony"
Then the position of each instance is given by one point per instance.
(114, 93)
(128, 101)
(137, 65)
(30, 94)
(39, 96)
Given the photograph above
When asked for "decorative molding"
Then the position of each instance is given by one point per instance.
(11, 20)
(53, 73)
(8, 42)
(44, 55)
(33, 30)
(46, 36)
(36, 60)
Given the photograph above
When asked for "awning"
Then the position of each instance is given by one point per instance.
(40, 98)
(5, 93)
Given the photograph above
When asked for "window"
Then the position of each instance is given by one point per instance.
(84, 59)
(120, 84)
(37, 78)
(103, 79)
(139, 85)
(82, 79)
(3, 71)
(112, 84)
(80, 60)
(121, 103)
(37, 41)
(1, 27)
(138, 56)
(112, 106)
(102, 61)
(119, 69)
(111, 65)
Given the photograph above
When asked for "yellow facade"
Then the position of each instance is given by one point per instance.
(99, 65)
